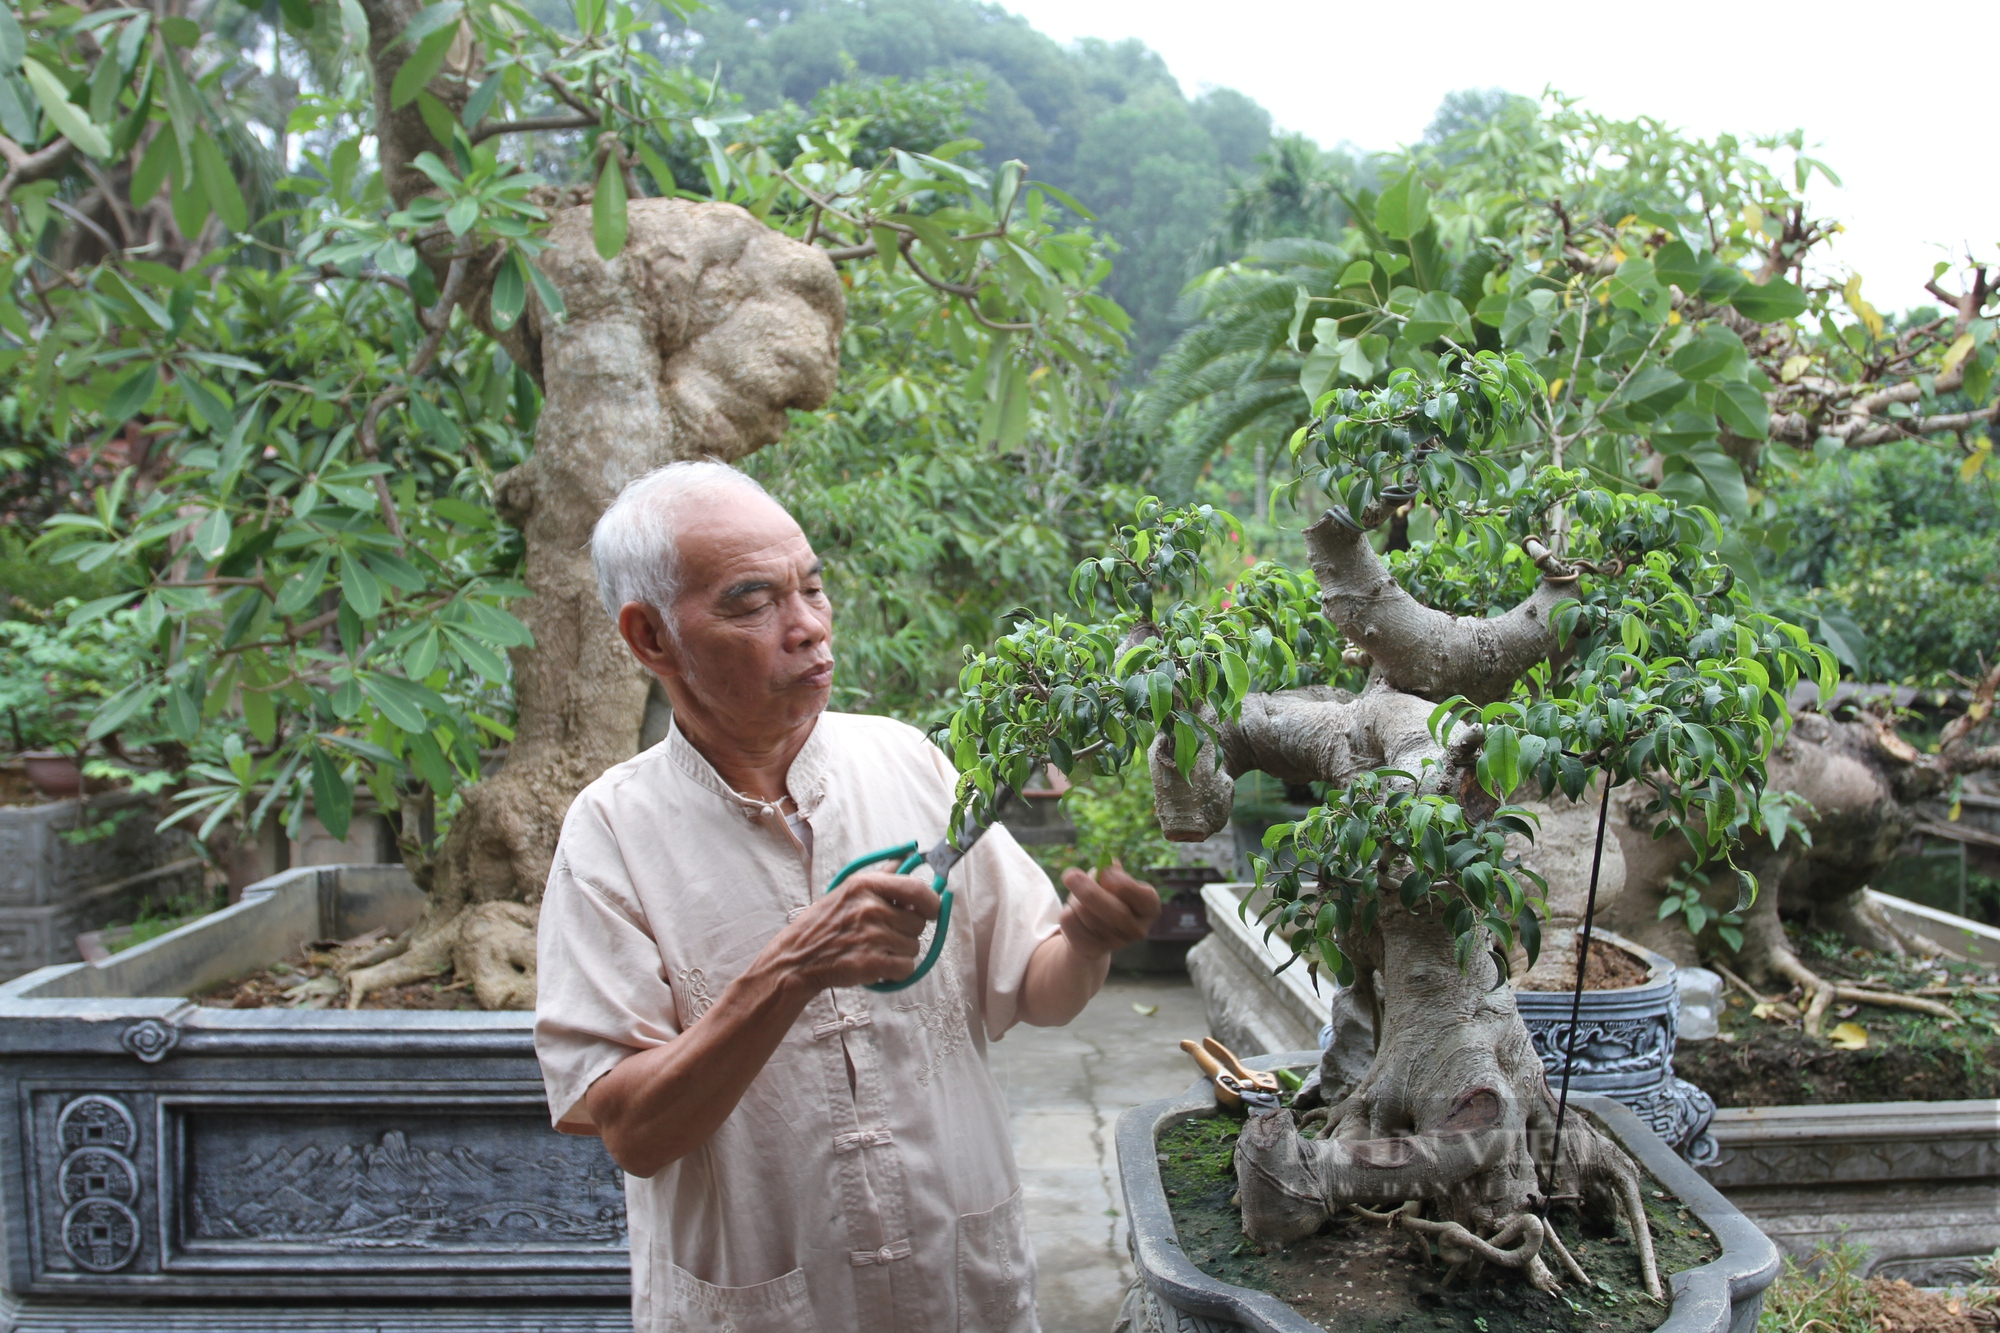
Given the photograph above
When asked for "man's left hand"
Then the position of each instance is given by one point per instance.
(1107, 911)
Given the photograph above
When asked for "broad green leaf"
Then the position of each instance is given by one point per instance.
(218, 184)
(657, 168)
(68, 118)
(1769, 303)
(1633, 287)
(1741, 408)
(359, 587)
(333, 798)
(208, 405)
(13, 44)
(510, 292)
(260, 714)
(462, 215)
(545, 290)
(211, 538)
(1713, 353)
(1438, 315)
(1404, 208)
(189, 202)
(422, 66)
(431, 763)
(302, 588)
(132, 393)
(1724, 478)
(607, 210)
(154, 164)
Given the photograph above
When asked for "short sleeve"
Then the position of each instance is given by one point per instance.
(600, 992)
(1015, 908)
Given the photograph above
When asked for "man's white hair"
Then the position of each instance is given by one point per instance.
(636, 544)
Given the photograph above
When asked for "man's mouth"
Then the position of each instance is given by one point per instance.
(819, 676)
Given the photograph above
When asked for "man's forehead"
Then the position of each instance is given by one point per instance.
(736, 534)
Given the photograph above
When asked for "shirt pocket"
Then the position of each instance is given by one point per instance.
(996, 1270)
(778, 1306)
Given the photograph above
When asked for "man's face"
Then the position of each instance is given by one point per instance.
(755, 628)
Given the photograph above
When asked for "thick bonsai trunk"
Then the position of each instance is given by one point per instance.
(693, 343)
(1861, 783)
(1453, 1119)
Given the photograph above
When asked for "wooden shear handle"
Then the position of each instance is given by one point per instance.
(1250, 1078)
(1210, 1068)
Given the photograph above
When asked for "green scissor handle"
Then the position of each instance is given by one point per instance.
(910, 858)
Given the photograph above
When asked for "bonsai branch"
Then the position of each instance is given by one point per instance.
(1416, 648)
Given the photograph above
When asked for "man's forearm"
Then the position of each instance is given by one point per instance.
(1060, 980)
(659, 1105)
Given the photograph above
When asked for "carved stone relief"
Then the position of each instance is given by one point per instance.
(1627, 1053)
(98, 1183)
(410, 1182)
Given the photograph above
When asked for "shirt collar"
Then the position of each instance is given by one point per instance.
(805, 780)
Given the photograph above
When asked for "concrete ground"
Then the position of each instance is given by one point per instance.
(1066, 1088)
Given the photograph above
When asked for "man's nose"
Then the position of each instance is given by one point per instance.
(805, 624)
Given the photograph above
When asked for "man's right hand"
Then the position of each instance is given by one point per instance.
(863, 932)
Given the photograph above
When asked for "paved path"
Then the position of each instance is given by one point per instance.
(1066, 1088)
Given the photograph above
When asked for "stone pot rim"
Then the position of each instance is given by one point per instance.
(1703, 1297)
(1660, 971)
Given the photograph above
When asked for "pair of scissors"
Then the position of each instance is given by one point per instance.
(940, 859)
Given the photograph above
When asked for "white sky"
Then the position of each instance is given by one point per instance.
(1886, 92)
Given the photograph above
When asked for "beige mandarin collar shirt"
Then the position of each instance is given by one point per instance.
(866, 1181)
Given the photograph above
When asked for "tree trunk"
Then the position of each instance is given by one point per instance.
(693, 342)
(1454, 1113)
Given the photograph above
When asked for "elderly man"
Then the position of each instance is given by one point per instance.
(802, 1153)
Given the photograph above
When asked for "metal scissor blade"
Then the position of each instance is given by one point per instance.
(945, 855)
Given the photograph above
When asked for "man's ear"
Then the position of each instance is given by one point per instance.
(645, 633)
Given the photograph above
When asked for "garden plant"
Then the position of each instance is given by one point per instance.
(347, 407)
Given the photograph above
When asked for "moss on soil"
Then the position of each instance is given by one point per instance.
(1363, 1278)
(1909, 1057)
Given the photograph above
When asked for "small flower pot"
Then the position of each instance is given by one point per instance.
(54, 774)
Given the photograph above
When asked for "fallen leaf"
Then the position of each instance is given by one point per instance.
(1849, 1037)
(1764, 1011)
(1147, 1009)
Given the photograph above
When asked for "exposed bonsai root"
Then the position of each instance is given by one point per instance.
(1454, 1117)
(1824, 993)
(491, 945)
(427, 951)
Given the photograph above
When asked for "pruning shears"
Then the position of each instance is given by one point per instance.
(940, 859)
(1254, 1090)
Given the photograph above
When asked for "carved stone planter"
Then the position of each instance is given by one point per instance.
(1625, 1049)
(52, 889)
(169, 1167)
(1917, 1183)
(1720, 1297)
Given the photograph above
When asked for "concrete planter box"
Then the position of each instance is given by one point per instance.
(1624, 1050)
(165, 1166)
(1720, 1297)
(1918, 1183)
(52, 890)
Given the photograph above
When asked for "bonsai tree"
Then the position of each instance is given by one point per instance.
(1698, 344)
(363, 407)
(1554, 639)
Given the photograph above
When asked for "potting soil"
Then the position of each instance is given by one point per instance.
(315, 979)
(1362, 1277)
(1909, 1057)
